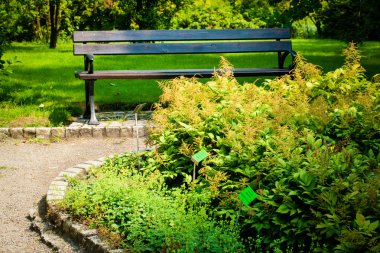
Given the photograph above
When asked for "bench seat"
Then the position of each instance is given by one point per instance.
(173, 73)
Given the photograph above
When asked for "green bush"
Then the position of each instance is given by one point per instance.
(59, 116)
(213, 16)
(308, 144)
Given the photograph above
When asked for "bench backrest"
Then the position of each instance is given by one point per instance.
(181, 41)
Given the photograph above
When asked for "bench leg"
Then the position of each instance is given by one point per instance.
(87, 112)
(91, 103)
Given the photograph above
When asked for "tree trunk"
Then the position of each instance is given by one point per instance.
(54, 9)
(38, 31)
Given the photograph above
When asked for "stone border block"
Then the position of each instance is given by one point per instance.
(84, 167)
(85, 131)
(77, 171)
(59, 183)
(5, 131)
(72, 132)
(89, 238)
(141, 130)
(30, 132)
(17, 133)
(67, 174)
(58, 132)
(54, 187)
(113, 131)
(126, 131)
(99, 131)
(43, 132)
(94, 163)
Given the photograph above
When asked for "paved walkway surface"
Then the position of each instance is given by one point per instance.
(26, 170)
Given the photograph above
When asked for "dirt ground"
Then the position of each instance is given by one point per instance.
(26, 170)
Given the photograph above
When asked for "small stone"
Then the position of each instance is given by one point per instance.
(17, 133)
(32, 214)
(43, 132)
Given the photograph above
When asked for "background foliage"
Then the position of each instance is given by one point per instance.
(49, 20)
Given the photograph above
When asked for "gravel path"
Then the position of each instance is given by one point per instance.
(26, 170)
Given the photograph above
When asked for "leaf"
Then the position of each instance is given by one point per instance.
(318, 143)
(306, 179)
(282, 162)
(283, 209)
(360, 219)
(373, 226)
(310, 139)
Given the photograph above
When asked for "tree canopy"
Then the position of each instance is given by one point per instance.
(349, 20)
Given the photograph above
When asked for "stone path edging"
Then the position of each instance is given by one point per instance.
(113, 129)
(85, 237)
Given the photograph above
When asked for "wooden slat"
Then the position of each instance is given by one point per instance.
(181, 35)
(172, 73)
(181, 48)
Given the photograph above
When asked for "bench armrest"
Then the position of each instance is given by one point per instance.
(282, 57)
(89, 63)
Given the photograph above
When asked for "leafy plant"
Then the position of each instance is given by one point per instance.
(136, 210)
(308, 144)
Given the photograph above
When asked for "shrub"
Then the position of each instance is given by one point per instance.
(59, 116)
(307, 143)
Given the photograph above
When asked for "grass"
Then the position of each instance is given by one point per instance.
(44, 79)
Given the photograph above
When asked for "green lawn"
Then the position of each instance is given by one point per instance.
(45, 80)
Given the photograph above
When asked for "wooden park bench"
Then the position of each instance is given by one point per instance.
(143, 42)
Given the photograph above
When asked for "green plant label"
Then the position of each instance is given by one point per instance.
(198, 157)
(247, 196)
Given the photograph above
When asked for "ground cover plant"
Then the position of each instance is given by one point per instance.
(308, 145)
(42, 90)
(134, 209)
